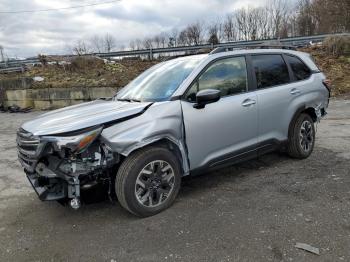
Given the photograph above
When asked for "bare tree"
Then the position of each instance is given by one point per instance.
(305, 20)
(132, 45)
(80, 48)
(156, 41)
(138, 44)
(331, 16)
(173, 37)
(96, 43)
(213, 33)
(275, 19)
(163, 37)
(183, 38)
(263, 27)
(195, 33)
(229, 28)
(241, 16)
(109, 43)
(278, 11)
(159, 40)
(147, 43)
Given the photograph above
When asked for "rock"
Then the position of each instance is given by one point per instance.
(308, 248)
(38, 79)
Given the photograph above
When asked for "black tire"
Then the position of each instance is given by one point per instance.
(298, 139)
(131, 169)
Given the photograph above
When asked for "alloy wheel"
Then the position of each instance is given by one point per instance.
(155, 183)
(306, 136)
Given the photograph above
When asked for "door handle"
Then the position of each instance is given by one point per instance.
(248, 102)
(295, 91)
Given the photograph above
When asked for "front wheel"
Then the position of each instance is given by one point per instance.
(301, 139)
(148, 181)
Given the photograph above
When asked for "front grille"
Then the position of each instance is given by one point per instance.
(27, 147)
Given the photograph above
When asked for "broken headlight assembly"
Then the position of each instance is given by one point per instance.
(75, 143)
(76, 153)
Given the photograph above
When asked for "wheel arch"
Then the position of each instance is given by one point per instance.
(171, 144)
(311, 112)
(303, 109)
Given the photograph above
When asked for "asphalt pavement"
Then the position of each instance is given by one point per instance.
(254, 211)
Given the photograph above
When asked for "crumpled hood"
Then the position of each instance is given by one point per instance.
(82, 116)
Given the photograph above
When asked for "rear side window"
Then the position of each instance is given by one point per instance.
(300, 70)
(270, 70)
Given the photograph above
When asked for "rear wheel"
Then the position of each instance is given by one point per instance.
(148, 181)
(301, 139)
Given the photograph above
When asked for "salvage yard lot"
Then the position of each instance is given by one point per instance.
(255, 211)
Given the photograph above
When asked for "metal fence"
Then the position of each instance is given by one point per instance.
(15, 65)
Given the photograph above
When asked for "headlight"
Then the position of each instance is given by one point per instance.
(76, 143)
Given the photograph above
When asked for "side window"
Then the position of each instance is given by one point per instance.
(227, 75)
(270, 70)
(300, 70)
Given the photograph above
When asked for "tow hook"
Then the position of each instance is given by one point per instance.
(74, 193)
(75, 203)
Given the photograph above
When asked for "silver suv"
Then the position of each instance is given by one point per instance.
(184, 116)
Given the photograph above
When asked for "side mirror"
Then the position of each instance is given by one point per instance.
(206, 96)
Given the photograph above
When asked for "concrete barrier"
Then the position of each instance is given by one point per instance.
(52, 98)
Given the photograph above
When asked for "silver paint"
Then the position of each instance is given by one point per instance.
(81, 116)
(220, 128)
(161, 121)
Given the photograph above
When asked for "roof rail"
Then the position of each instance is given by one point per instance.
(259, 46)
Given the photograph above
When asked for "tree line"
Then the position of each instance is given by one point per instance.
(277, 19)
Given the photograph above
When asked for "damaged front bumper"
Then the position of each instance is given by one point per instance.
(50, 186)
(57, 174)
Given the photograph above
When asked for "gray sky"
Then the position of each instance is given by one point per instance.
(28, 34)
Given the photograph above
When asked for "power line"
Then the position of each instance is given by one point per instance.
(57, 9)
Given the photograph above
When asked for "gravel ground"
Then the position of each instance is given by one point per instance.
(255, 211)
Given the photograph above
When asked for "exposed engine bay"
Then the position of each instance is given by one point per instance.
(65, 165)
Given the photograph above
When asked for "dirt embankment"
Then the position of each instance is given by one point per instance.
(89, 72)
(336, 68)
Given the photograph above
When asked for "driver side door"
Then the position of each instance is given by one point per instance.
(224, 131)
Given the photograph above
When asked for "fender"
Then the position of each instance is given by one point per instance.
(161, 139)
(162, 121)
(314, 112)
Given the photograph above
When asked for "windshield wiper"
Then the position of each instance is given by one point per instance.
(128, 99)
(135, 100)
(124, 99)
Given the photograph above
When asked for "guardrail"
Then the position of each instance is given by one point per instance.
(293, 41)
(12, 69)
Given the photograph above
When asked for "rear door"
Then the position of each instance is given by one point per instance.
(227, 128)
(275, 94)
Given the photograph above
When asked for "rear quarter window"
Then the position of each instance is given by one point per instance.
(300, 70)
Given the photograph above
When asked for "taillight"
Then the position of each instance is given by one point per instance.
(328, 84)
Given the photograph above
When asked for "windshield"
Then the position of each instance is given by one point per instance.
(160, 81)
